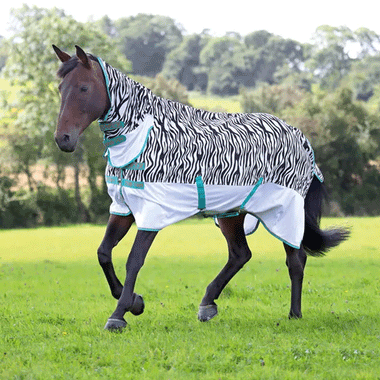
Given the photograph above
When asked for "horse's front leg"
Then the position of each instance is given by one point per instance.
(296, 261)
(130, 301)
(117, 227)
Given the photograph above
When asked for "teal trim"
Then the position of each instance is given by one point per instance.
(250, 233)
(273, 234)
(124, 182)
(201, 193)
(132, 184)
(120, 214)
(104, 126)
(253, 191)
(137, 156)
(227, 214)
(112, 179)
(319, 178)
(135, 166)
(106, 78)
(314, 164)
(148, 229)
(114, 141)
(255, 229)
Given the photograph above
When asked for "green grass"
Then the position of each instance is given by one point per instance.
(215, 103)
(55, 302)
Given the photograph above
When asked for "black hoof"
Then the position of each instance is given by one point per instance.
(138, 305)
(207, 312)
(115, 324)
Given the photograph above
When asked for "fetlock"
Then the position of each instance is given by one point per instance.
(138, 305)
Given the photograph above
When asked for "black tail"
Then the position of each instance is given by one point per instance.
(317, 242)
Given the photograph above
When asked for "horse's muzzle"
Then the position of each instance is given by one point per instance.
(66, 143)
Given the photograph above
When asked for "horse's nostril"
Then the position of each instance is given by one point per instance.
(66, 138)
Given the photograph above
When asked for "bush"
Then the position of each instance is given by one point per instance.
(363, 199)
(19, 211)
(99, 205)
(166, 88)
(56, 206)
(16, 209)
(46, 206)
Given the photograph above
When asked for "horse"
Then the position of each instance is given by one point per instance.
(167, 161)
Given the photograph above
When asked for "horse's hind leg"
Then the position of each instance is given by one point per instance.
(117, 227)
(296, 261)
(238, 255)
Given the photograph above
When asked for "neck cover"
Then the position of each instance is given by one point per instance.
(128, 122)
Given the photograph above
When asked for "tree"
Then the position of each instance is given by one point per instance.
(182, 63)
(257, 40)
(3, 54)
(269, 57)
(365, 76)
(369, 42)
(345, 138)
(330, 60)
(232, 62)
(108, 26)
(146, 40)
(32, 66)
(223, 59)
(166, 88)
(275, 99)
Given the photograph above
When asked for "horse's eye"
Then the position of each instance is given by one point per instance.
(84, 89)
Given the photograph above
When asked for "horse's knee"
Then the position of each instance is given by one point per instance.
(240, 256)
(104, 256)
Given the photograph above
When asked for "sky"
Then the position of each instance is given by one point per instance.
(295, 19)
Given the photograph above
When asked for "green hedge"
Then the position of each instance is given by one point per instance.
(45, 207)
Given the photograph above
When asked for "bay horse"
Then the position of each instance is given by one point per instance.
(167, 162)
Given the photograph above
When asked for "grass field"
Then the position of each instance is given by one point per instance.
(215, 103)
(55, 302)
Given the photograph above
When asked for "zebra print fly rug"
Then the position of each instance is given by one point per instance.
(167, 161)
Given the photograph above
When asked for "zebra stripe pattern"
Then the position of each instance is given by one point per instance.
(222, 148)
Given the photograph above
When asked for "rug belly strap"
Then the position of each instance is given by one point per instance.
(201, 193)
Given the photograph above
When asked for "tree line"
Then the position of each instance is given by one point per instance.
(329, 88)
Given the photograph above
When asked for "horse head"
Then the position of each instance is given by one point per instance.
(84, 96)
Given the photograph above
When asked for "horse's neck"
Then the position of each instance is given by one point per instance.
(138, 101)
(131, 101)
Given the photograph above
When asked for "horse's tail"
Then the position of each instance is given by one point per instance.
(317, 242)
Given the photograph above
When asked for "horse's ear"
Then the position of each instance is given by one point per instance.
(82, 57)
(61, 54)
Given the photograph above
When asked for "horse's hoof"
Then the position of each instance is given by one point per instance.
(207, 312)
(138, 305)
(115, 324)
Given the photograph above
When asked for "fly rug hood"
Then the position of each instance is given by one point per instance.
(167, 162)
